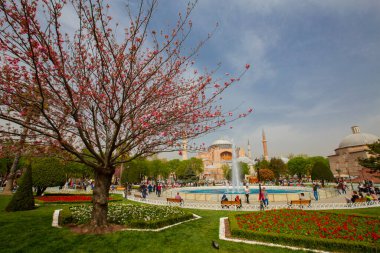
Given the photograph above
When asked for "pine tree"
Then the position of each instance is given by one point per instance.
(372, 162)
(321, 171)
(23, 199)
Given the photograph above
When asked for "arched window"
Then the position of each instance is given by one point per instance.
(226, 156)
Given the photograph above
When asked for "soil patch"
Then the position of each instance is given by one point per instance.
(90, 229)
(227, 228)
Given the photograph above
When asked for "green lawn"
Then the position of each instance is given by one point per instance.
(31, 231)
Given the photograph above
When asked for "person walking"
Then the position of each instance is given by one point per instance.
(266, 198)
(159, 189)
(261, 199)
(247, 193)
(315, 191)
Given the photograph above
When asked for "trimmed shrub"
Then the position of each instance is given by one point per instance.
(23, 199)
(47, 172)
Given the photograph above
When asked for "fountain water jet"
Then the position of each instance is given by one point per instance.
(236, 184)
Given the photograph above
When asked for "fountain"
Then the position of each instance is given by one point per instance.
(236, 184)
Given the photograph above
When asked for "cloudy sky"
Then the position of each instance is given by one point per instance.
(315, 69)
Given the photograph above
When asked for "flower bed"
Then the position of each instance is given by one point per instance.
(69, 198)
(136, 216)
(309, 228)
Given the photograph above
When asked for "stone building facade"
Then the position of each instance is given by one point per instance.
(219, 153)
(344, 163)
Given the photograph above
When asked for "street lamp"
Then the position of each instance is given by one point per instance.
(348, 171)
(258, 169)
(338, 170)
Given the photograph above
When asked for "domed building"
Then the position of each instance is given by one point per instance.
(219, 153)
(352, 147)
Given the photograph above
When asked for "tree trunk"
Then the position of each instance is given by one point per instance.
(100, 198)
(11, 176)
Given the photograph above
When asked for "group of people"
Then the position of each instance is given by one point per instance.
(369, 197)
(146, 189)
(341, 186)
(263, 196)
(83, 184)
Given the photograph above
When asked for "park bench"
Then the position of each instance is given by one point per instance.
(228, 203)
(357, 201)
(174, 200)
(360, 200)
(300, 202)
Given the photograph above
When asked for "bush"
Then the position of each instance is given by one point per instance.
(47, 172)
(134, 216)
(23, 199)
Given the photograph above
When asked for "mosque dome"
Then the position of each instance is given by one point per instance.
(357, 138)
(222, 143)
(245, 159)
(284, 159)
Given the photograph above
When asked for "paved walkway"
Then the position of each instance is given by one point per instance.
(337, 202)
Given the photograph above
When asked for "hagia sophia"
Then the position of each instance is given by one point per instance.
(344, 163)
(219, 153)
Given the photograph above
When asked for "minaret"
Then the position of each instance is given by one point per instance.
(266, 157)
(249, 151)
(184, 152)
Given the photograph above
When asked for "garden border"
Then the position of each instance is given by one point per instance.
(222, 236)
(57, 212)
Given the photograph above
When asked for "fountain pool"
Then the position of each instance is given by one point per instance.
(240, 191)
(275, 193)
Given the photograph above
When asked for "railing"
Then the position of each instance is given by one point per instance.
(256, 207)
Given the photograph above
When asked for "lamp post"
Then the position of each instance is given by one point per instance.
(338, 170)
(348, 171)
(258, 170)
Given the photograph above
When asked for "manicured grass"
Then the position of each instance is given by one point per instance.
(375, 212)
(31, 231)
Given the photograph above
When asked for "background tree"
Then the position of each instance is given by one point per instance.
(261, 164)
(77, 170)
(266, 174)
(322, 172)
(97, 92)
(298, 166)
(227, 172)
(157, 168)
(5, 165)
(244, 170)
(278, 167)
(190, 169)
(372, 162)
(47, 172)
(173, 166)
(135, 170)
